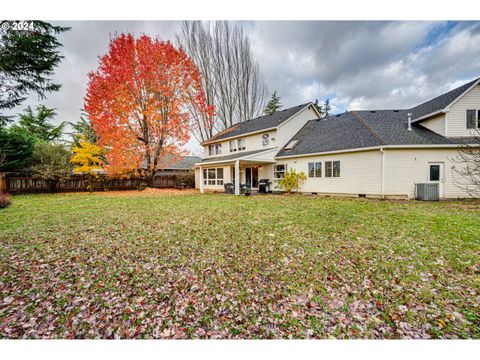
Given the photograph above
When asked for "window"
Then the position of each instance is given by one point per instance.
(214, 149)
(237, 145)
(279, 171)
(241, 144)
(213, 176)
(471, 119)
(265, 139)
(434, 172)
(332, 168)
(315, 169)
(291, 144)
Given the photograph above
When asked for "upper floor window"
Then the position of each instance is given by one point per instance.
(237, 145)
(241, 144)
(473, 119)
(214, 149)
(315, 169)
(332, 168)
(233, 145)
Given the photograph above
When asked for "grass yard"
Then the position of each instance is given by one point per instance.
(219, 266)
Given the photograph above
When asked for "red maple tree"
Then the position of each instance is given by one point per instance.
(138, 101)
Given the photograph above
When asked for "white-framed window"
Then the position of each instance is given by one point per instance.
(473, 119)
(315, 169)
(279, 171)
(241, 144)
(213, 176)
(237, 145)
(332, 168)
(214, 149)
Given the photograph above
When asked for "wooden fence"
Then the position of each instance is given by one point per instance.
(22, 183)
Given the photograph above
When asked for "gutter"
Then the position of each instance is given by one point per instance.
(420, 146)
(382, 150)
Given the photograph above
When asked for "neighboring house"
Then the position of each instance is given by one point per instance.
(376, 153)
(183, 166)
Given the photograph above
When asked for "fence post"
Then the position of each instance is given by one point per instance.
(3, 182)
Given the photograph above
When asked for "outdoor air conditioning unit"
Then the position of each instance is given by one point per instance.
(427, 191)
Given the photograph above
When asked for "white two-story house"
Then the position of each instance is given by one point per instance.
(246, 151)
(373, 153)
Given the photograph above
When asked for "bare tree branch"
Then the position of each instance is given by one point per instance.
(466, 171)
(230, 76)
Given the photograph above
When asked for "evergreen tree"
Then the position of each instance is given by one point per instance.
(324, 109)
(83, 131)
(27, 61)
(39, 124)
(16, 148)
(273, 105)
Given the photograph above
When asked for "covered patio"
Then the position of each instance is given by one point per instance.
(249, 167)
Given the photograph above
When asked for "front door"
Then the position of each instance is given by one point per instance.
(251, 176)
(435, 175)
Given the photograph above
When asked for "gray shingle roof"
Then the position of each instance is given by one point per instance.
(259, 123)
(185, 162)
(234, 156)
(361, 129)
(440, 102)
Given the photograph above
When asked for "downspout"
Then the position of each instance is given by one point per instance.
(382, 150)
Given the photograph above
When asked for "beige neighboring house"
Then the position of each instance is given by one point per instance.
(372, 153)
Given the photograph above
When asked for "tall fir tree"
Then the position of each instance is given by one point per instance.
(38, 124)
(273, 105)
(27, 62)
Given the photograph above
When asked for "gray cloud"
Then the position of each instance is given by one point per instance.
(358, 64)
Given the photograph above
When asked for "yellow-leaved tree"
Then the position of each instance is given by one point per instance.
(87, 160)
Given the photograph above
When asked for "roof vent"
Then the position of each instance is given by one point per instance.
(396, 110)
(339, 115)
(373, 111)
(409, 117)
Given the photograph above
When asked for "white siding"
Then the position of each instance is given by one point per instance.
(288, 129)
(197, 178)
(252, 142)
(457, 116)
(360, 173)
(404, 168)
(436, 124)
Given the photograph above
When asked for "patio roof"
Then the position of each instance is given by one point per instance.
(244, 155)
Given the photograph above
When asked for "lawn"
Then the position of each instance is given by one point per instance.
(220, 266)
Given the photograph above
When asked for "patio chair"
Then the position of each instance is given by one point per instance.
(229, 188)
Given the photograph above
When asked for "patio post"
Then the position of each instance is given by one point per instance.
(201, 181)
(237, 177)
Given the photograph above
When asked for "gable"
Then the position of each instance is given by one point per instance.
(435, 123)
(258, 124)
(457, 113)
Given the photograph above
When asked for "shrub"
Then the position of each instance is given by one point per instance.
(292, 181)
(142, 186)
(4, 200)
(51, 163)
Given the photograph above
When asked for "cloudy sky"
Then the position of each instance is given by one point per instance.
(358, 65)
